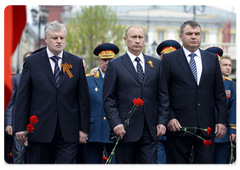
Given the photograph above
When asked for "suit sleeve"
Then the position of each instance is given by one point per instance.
(109, 96)
(220, 96)
(23, 99)
(163, 98)
(166, 68)
(84, 101)
(9, 110)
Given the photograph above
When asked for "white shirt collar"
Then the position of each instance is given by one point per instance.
(187, 52)
(103, 74)
(50, 54)
(132, 57)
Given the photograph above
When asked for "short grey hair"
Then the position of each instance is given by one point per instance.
(54, 26)
(126, 32)
(226, 57)
(192, 23)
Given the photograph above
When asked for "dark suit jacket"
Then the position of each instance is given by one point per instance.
(122, 85)
(191, 104)
(9, 112)
(38, 95)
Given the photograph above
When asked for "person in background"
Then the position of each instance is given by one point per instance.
(136, 75)
(164, 47)
(167, 46)
(222, 144)
(9, 117)
(99, 144)
(54, 88)
(195, 88)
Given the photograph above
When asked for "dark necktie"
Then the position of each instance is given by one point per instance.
(139, 70)
(56, 73)
(193, 66)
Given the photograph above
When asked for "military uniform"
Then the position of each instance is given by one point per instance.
(221, 144)
(99, 135)
(221, 147)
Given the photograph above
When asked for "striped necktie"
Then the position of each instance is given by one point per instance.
(193, 66)
(139, 70)
(56, 73)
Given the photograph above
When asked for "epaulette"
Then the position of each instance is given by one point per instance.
(89, 74)
(226, 78)
(96, 75)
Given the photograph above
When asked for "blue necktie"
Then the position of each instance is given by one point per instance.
(139, 70)
(193, 66)
(56, 73)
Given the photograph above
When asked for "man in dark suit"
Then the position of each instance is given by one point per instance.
(59, 99)
(128, 78)
(98, 137)
(9, 118)
(193, 96)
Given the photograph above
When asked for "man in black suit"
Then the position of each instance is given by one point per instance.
(57, 96)
(193, 98)
(122, 83)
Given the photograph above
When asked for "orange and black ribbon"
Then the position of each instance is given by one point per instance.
(66, 68)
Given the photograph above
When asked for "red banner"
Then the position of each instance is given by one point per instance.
(14, 23)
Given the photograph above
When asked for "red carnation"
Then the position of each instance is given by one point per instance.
(208, 130)
(138, 102)
(30, 127)
(33, 119)
(104, 158)
(207, 142)
(10, 155)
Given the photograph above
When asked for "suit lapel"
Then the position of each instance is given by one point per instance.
(65, 59)
(204, 65)
(44, 62)
(147, 69)
(181, 58)
(126, 61)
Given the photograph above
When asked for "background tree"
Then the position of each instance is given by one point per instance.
(92, 26)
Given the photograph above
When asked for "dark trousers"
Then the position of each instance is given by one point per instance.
(220, 153)
(94, 152)
(8, 147)
(143, 151)
(178, 150)
(58, 151)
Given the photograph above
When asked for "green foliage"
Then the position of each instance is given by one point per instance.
(92, 26)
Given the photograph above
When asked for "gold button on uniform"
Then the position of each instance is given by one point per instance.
(104, 118)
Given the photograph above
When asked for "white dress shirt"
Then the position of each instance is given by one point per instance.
(198, 61)
(142, 61)
(52, 63)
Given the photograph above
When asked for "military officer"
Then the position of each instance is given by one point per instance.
(99, 146)
(221, 147)
(164, 47)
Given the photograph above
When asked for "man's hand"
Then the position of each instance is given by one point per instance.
(232, 137)
(119, 130)
(161, 130)
(8, 129)
(21, 137)
(83, 137)
(220, 130)
(174, 125)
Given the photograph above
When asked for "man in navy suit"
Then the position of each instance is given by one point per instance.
(61, 105)
(136, 75)
(98, 138)
(193, 96)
